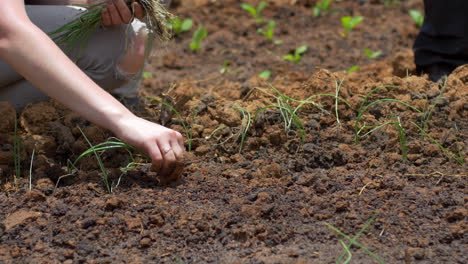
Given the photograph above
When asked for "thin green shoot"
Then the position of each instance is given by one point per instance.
(296, 55)
(269, 32)
(215, 131)
(398, 126)
(322, 7)
(427, 115)
(349, 23)
(17, 150)
(179, 26)
(338, 85)
(392, 2)
(246, 122)
(353, 241)
(417, 17)
(105, 176)
(198, 36)
(225, 68)
(372, 54)
(255, 12)
(458, 158)
(347, 251)
(352, 69)
(147, 75)
(30, 169)
(265, 75)
(364, 108)
(187, 129)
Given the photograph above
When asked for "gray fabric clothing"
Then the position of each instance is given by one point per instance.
(99, 59)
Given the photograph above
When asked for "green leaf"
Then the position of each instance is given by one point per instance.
(302, 49)
(260, 7)
(199, 35)
(417, 17)
(265, 74)
(316, 11)
(249, 9)
(372, 54)
(186, 25)
(352, 69)
(289, 57)
(147, 75)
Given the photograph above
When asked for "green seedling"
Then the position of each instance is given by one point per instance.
(391, 2)
(349, 23)
(401, 134)
(17, 151)
(457, 157)
(372, 54)
(114, 143)
(417, 17)
(364, 107)
(198, 36)
(179, 26)
(296, 55)
(290, 107)
(322, 7)
(269, 32)
(31, 169)
(353, 242)
(246, 122)
(427, 115)
(147, 75)
(255, 12)
(225, 68)
(188, 130)
(352, 69)
(265, 75)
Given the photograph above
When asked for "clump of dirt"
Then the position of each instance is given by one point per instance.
(256, 189)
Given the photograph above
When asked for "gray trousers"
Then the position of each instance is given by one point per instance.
(99, 59)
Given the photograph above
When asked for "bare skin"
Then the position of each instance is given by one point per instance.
(28, 50)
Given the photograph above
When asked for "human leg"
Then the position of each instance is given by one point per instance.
(442, 44)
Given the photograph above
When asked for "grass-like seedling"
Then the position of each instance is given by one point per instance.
(179, 26)
(290, 107)
(17, 151)
(187, 128)
(246, 122)
(364, 107)
(269, 32)
(417, 17)
(353, 242)
(427, 115)
(255, 12)
(77, 32)
(198, 36)
(372, 54)
(30, 169)
(296, 55)
(349, 23)
(96, 149)
(457, 157)
(265, 75)
(322, 7)
(352, 69)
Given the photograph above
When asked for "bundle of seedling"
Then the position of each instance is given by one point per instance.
(78, 31)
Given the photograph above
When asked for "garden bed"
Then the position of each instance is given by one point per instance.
(275, 187)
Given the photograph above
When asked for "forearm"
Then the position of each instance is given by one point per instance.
(40, 61)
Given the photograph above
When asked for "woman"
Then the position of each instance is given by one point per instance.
(29, 59)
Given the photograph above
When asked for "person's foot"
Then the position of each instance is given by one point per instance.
(435, 71)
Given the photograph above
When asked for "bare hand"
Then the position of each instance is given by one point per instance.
(117, 12)
(164, 146)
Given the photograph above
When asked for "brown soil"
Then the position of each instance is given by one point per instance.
(270, 202)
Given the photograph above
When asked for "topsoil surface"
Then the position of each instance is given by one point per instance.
(269, 199)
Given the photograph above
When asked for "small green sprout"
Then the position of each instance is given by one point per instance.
(245, 126)
(391, 2)
(147, 75)
(417, 17)
(322, 7)
(265, 74)
(372, 54)
(178, 25)
(296, 55)
(349, 23)
(198, 36)
(255, 12)
(17, 150)
(352, 69)
(269, 32)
